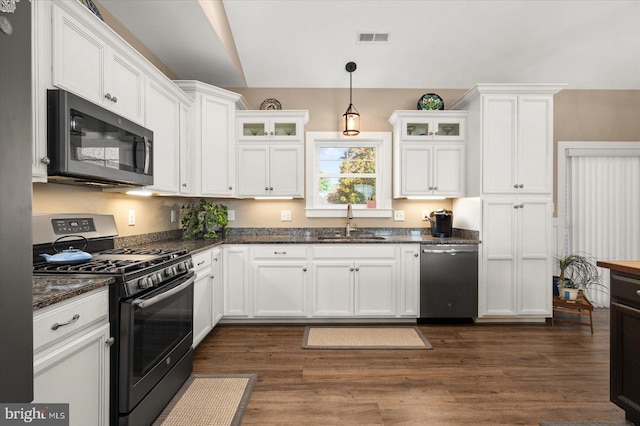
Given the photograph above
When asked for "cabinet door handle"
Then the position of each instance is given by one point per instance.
(110, 341)
(45, 160)
(638, 292)
(114, 99)
(271, 188)
(521, 186)
(73, 319)
(230, 188)
(430, 133)
(435, 188)
(357, 269)
(416, 254)
(351, 269)
(522, 206)
(516, 206)
(515, 185)
(304, 269)
(266, 188)
(271, 133)
(108, 96)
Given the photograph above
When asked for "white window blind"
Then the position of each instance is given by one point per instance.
(602, 199)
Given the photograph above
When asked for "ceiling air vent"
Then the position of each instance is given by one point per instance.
(370, 37)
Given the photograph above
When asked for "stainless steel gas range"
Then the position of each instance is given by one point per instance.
(150, 308)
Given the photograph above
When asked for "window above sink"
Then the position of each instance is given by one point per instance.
(344, 170)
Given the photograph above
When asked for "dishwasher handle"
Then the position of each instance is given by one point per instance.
(451, 251)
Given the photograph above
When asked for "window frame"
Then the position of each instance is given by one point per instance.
(381, 141)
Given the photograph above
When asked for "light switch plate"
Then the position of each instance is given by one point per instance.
(425, 214)
(231, 215)
(398, 215)
(285, 215)
(132, 217)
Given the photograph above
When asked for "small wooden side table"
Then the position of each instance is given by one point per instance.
(581, 307)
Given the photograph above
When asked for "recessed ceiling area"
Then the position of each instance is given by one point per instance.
(431, 44)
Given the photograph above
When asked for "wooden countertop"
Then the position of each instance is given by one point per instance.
(626, 266)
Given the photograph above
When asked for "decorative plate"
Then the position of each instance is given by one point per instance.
(430, 101)
(270, 103)
(92, 7)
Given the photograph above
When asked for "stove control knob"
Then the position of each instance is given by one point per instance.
(144, 283)
(169, 272)
(182, 267)
(156, 278)
(189, 264)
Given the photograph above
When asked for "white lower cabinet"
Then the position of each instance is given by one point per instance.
(207, 293)
(321, 281)
(71, 360)
(279, 280)
(355, 280)
(202, 297)
(409, 280)
(235, 276)
(217, 292)
(515, 269)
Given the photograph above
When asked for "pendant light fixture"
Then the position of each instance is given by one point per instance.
(351, 117)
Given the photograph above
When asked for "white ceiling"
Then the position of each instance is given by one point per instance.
(433, 44)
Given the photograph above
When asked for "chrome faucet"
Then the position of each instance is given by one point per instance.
(349, 217)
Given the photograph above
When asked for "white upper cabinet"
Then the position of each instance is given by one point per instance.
(212, 138)
(509, 139)
(165, 116)
(429, 153)
(517, 149)
(87, 65)
(271, 165)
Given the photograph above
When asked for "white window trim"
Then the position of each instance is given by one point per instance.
(382, 140)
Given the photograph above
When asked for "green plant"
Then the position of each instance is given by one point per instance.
(203, 219)
(577, 271)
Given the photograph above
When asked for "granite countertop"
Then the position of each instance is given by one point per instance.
(50, 289)
(626, 266)
(195, 246)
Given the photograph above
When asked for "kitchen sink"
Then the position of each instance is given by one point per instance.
(351, 238)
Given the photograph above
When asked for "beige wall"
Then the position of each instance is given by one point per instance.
(579, 115)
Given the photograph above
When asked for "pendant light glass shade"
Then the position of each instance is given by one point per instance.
(351, 116)
(351, 121)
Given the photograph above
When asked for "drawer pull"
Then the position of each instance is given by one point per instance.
(279, 252)
(200, 263)
(75, 318)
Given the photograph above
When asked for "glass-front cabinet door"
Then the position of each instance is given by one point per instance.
(269, 128)
(433, 129)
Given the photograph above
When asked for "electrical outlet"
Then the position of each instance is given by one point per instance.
(174, 216)
(398, 215)
(425, 214)
(231, 215)
(132, 217)
(285, 215)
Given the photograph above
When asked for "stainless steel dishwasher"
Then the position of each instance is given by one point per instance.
(448, 281)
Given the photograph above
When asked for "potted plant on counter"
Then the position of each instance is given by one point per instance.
(206, 219)
(577, 272)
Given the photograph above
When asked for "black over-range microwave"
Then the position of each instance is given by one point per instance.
(87, 143)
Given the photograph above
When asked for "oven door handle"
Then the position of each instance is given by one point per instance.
(145, 303)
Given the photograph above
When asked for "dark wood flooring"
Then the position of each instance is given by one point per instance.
(476, 375)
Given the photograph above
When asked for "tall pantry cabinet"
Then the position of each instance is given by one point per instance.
(510, 168)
